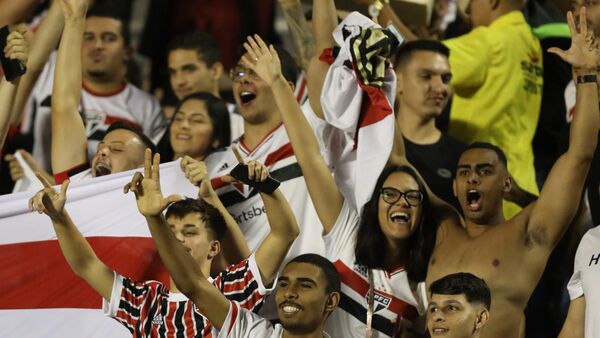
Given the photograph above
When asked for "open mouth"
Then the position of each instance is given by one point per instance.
(247, 97)
(102, 169)
(290, 308)
(439, 331)
(183, 137)
(400, 217)
(474, 199)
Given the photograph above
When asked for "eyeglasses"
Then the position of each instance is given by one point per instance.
(238, 72)
(392, 195)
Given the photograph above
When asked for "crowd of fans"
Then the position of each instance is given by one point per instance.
(394, 181)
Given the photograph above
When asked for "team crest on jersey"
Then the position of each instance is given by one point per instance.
(157, 320)
(361, 270)
(381, 301)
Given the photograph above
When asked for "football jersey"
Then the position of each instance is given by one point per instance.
(245, 204)
(127, 104)
(148, 309)
(586, 280)
(236, 121)
(393, 298)
(243, 323)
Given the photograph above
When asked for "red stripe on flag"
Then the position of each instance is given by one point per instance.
(35, 275)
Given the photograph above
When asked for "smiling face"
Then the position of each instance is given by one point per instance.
(302, 301)
(452, 316)
(191, 232)
(424, 83)
(191, 132)
(190, 74)
(481, 180)
(119, 151)
(252, 95)
(103, 50)
(400, 219)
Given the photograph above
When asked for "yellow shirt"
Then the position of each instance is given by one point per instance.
(497, 82)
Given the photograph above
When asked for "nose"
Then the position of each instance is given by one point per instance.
(178, 79)
(438, 85)
(473, 178)
(179, 236)
(98, 44)
(438, 316)
(290, 293)
(104, 151)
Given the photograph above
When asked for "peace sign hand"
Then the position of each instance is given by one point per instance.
(47, 200)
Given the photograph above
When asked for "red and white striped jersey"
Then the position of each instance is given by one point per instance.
(393, 300)
(148, 309)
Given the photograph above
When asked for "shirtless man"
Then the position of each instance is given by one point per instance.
(511, 254)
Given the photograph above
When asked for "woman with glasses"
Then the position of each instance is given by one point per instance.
(199, 126)
(382, 252)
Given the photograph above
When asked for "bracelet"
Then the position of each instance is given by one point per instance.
(587, 79)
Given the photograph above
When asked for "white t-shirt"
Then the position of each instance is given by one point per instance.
(586, 280)
(128, 104)
(245, 204)
(394, 299)
(243, 323)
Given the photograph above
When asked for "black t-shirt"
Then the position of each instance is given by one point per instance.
(437, 164)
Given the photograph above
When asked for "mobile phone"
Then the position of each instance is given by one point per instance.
(240, 172)
(12, 68)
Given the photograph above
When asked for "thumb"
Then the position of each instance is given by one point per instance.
(557, 51)
(228, 179)
(173, 198)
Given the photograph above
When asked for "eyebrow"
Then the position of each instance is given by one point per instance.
(477, 166)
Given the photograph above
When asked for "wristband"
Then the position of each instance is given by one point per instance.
(586, 79)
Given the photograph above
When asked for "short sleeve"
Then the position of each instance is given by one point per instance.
(343, 233)
(575, 286)
(469, 58)
(242, 283)
(243, 323)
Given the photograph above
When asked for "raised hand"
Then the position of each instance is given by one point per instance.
(47, 200)
(17, 47)
(584, 52)
(149, 198)
(262, 59)
(257, 171)
(197, 173)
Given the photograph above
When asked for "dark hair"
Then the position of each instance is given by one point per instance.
(485, 145)
(372, 248)
(124, 125)
(328, 269)
(474, 288)
(219, 116)
(289, 67)
(211, 216)
(105, 10)
(203, 43)
(405, 52)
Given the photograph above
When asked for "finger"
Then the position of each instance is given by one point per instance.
(64, 186)
(21, 57)
(265, 174)
(250, 50)
(247, 63)
(173, 198)
(156, 168)
(135, 181)
(273, 52)
(39, 205)
(197, 172)
(126, 188)
(236, 152)
(257, 171)
(583, 21)
(228, 179)
(9, 157)
(148, 163)
(28, 159)
(559, 52)
(43, 180)
(253, 44)
(251, 166)
(261, 43)
(571, 24)
(31, 204)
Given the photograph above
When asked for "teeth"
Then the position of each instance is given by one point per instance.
(400, 214)
(183, 137)
(290, 309)
(246, 93)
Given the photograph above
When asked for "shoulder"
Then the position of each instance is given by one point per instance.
(138, 96)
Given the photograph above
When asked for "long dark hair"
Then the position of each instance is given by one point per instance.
(372, 247)
(219, 116)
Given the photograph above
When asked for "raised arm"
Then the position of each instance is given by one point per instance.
(235, 248)
(16, 49)
(322, 188)
(324, 22)
(560, 196)
(183, 269)
(69, 140)
(284, 227)
(302, 38)
(77, 251)
(42, 44)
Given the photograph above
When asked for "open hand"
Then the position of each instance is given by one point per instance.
(262, 59)
(47, 200)
(584, 52)
(149, 198)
